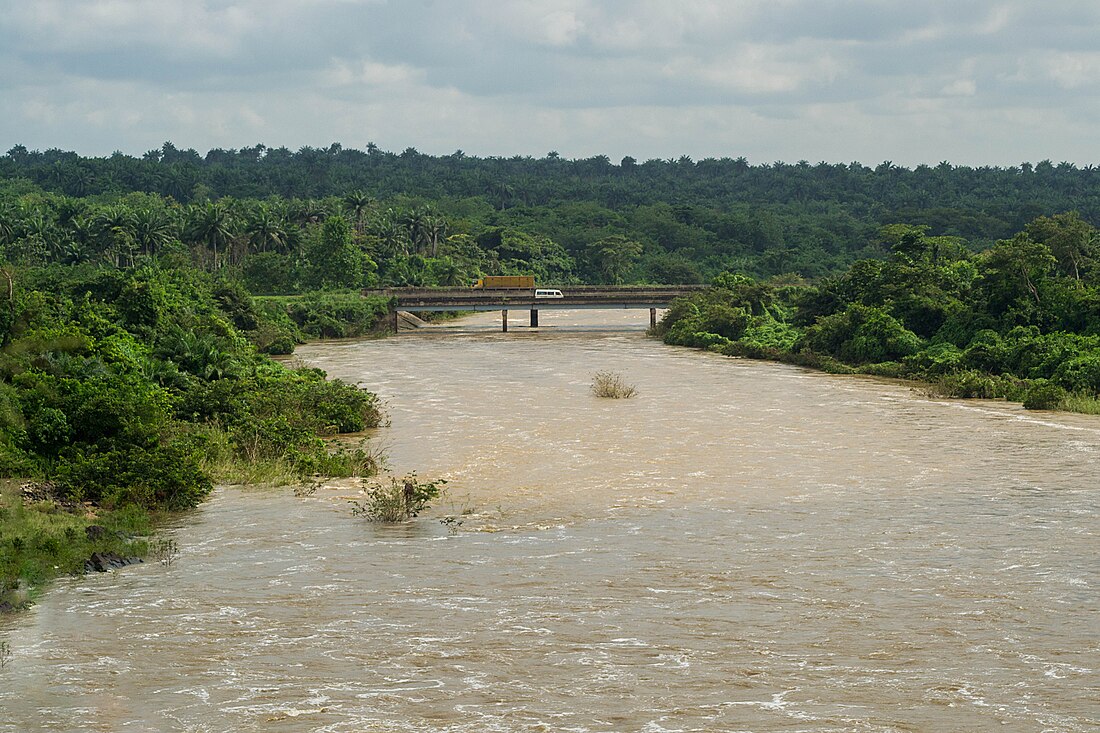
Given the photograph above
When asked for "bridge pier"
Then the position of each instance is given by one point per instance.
(504, 321)
(396, 322)
(534, 318)
(653, 318)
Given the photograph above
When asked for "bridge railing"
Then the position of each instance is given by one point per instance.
(567, 291)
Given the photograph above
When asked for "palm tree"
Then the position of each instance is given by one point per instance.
(448, 274)
(410, 220)
(266, 228)
(9, 224)
(210, 225)
(153, 229)
(614, 256)
(434, 229)
(82, 233)
(114, 229)
(392, 234)
(425, 229)
(308, 212)
(358, 204)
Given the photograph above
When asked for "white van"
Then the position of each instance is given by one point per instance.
(548, 294)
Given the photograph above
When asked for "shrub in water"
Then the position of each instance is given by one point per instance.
(611, 384)
(398, 500)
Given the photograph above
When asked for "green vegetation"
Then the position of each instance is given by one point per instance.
(415, 219)
(165, 550)
(131, 391)
(1020, 320)
(42, 539)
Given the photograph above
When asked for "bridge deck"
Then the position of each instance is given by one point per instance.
(574, 296)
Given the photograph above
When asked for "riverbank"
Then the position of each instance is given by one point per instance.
(46, 537)
(963, 350)
(286, 321)
(126, 395)
(1032, 394)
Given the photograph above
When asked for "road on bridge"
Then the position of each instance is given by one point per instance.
(505, 299)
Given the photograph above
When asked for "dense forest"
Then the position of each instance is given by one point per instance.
(140, 297)
(563, 220)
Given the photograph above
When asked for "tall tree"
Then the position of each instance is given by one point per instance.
(114, 227)
(358, 204)
(266, 229)
(1012, 274)
(1072, 241)
(613, 256)
(153, 228)
(335, 261)
(211, 224)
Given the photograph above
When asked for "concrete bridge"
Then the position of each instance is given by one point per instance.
(505, 299)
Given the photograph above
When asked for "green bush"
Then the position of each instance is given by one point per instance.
(861, 334)
(970, 383)
(935, 360)
(1044, 396)
(163, 476)
(271, 273)
(768, 332)
(275, 333)
(986, 352)
(336, 315)
(724, 321)
(112, 379)
(398, 499)
(893, 369)
(1080, 374)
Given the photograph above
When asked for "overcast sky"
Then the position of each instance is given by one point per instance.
(914, 81)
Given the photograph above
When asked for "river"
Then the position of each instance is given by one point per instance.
(743, 546)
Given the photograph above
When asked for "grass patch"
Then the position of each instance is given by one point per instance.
(42, 540)
(1082, 403)
(231, 458)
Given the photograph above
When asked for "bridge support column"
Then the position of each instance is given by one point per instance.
(534, 318)
(653, 318)
(504, 321)
(396, 322)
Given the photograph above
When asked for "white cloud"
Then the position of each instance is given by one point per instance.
(960, 88)
(82, 26)
(985, 81)
(1072, 70)
(562, 28)
(372, 74)
(760, 69)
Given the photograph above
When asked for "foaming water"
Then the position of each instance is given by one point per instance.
(741, 547)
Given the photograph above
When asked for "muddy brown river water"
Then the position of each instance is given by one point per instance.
(743, 546)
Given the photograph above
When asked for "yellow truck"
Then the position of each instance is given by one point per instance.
(506, 281)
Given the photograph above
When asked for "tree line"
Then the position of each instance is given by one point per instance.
(692, 219)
